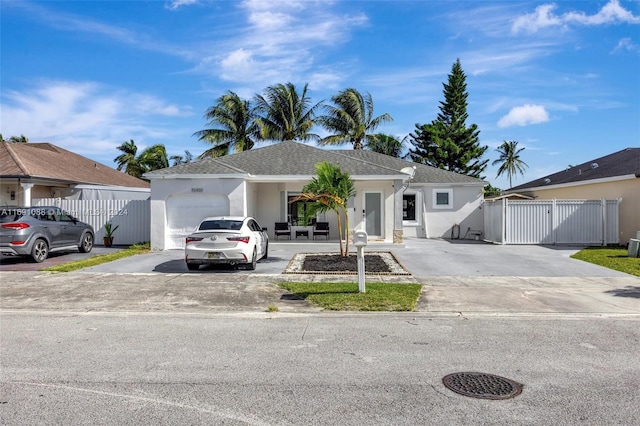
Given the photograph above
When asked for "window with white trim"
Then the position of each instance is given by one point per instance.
(443, 198)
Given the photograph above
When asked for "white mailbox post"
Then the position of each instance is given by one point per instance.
(360, 241)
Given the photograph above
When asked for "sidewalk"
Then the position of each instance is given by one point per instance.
(228, 293)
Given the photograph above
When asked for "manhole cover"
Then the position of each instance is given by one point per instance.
(481, 385)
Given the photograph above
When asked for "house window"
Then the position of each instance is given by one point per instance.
(409, 207)
(443, 198)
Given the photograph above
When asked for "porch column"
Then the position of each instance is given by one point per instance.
(398, 232)
(26, 194)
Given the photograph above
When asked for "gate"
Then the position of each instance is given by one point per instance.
(584, 222)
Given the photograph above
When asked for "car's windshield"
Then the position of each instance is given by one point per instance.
(208, 225)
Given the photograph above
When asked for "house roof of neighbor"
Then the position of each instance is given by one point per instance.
(50, 162)
(622, 163)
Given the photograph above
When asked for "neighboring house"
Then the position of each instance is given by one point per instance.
(614, 176)
(42, 170)
(389, 205)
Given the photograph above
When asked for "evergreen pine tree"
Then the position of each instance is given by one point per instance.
(447, 143)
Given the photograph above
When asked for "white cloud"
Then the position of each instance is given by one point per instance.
(524, 115)
(176, 4)
(544, 17)
(281, 41)
(611, 13)
(626, 44)
(85, 117)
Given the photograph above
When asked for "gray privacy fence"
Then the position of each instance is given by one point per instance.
(586, 222)
(133, 217)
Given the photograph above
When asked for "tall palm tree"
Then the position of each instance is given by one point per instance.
(153, 158)
(510, 162)
(128, 160)
(286, 114)
(235, 127)
(351, 119)
(386, 144)
(330, 190)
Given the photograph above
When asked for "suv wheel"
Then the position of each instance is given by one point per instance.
(40, 250)
(86, 243)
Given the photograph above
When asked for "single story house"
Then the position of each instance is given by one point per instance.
(395, 198)
(42, 170)
(614, 176)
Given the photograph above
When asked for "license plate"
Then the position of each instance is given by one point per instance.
(214, 255)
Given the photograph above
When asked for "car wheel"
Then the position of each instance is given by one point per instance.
(266, 251)
(40, 250)
(254, 260)
(86, 243)
(193, 266)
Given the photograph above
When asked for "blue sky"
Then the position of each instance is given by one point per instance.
(561, 78)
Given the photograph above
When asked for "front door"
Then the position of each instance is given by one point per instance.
(373, 214)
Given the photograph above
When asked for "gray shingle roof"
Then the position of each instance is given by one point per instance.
(621, 163)
(293, 158)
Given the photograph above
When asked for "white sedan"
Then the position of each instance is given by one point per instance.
(232, 240)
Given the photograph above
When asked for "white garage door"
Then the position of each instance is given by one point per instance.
(186, 211)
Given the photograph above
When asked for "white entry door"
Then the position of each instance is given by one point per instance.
(373, 214)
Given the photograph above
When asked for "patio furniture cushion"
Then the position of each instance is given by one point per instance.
(321, 228)
(282, 228)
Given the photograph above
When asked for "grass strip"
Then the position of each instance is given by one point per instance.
(615, 258)
(100, 259)
(346, 297)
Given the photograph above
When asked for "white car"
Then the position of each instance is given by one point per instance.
(232, 240)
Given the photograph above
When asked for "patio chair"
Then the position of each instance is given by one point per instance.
(321, 228)
(282, 228)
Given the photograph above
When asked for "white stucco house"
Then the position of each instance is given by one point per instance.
(389, 205)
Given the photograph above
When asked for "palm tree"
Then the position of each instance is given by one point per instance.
(286, 114)
(236, 129)
(128, 160)
(386, 144)
(509, 160)
(329, 190)
(351, 119)
(179, 159)
(153, 158)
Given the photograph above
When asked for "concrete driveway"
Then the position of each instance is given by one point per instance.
(421, 257)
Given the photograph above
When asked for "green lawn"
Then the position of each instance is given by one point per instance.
(345, 296)
(99, 259)
(610, 257)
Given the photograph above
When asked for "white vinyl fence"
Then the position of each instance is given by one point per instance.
(585, 222)
(133, 217)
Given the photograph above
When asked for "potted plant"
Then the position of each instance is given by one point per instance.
(109, 229)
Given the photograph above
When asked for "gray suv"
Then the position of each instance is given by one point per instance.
(38, 231)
